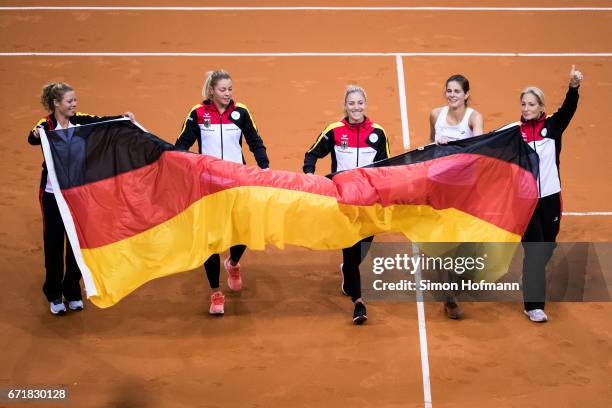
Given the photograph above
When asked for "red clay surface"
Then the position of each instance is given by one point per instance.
(287, 339)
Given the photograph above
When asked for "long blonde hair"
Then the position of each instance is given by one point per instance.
(211, 80)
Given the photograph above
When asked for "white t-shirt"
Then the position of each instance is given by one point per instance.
(453, 132)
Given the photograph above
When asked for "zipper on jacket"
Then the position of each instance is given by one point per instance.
(221, 129)
(357, 126)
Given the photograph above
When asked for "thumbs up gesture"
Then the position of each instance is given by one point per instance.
(575, 77)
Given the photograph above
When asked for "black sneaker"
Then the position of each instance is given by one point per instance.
(359, 315)
(453, 310)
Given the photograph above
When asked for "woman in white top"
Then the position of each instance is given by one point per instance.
(455, 121)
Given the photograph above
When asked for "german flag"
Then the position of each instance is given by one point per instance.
(136, 209)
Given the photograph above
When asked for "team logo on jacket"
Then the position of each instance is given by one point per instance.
(235, 115)
(344, 142)
(543, 132)
(373, 138)
(206, 122)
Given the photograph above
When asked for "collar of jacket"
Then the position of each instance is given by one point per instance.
(532, 130)
(52, 121)
(537, 121)
(363, 124)
(212, 107)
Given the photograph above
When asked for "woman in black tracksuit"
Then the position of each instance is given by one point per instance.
(218, 125)
(543, 134)
(354, 141)
(59, 99)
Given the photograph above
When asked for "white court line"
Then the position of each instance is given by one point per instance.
(302, 54)
(297, 8)
(420, 307)
(422, 336)
(402, 98)
(587, 214)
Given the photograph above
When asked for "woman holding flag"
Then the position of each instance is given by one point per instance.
(455, 121)
(354, 141)
(59, 99)
(218, 125)
(543, 135)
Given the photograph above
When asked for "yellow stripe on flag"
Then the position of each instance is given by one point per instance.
(260, 216)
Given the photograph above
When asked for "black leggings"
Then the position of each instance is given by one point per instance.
(58, 284)
(352, 258)
(539, 244)
(212, 266)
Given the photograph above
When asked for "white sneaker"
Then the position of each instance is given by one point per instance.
(75, 305)
(57, 307)
(536, 315)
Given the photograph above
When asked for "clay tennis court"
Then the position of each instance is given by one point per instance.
(287, 339)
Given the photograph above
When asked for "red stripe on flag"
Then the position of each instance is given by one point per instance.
(117, 208)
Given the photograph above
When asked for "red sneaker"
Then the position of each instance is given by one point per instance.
(217, 300)
(234, 280)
